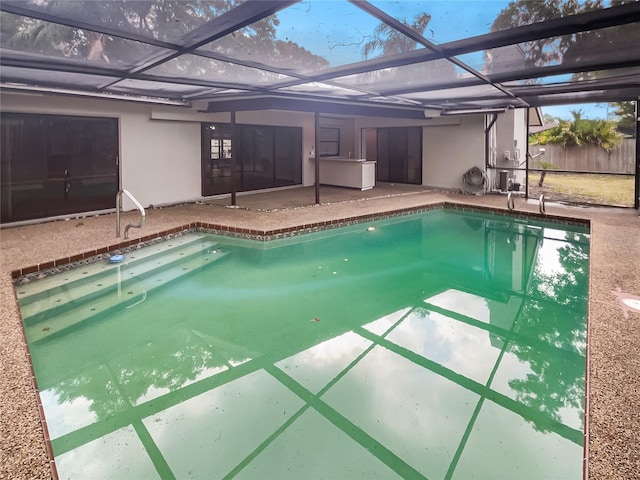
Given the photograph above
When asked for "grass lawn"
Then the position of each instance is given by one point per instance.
(584, 188)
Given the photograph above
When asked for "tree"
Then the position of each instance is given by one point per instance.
(166, 20)
(389, 41)
(626, 113)
(586, 46)
(550, 119)
(525, 12)
(555, 314)
(581, 131)
(544, 166)
(571, 49)
(577, 132)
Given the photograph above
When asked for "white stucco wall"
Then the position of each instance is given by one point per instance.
(511, 137)
(520, 139)
(160, 145)
(159, 159)
(449, 151)
(504, 137)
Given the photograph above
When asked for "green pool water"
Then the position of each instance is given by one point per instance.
(440, 345)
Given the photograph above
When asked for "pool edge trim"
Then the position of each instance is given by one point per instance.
(587, 376)
(43, 269)
(34, 385)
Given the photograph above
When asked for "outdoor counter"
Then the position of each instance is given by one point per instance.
(348, 172)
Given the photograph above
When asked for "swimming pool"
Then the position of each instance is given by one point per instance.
(434, 345)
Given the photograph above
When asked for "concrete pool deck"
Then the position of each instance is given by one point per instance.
(614, 338)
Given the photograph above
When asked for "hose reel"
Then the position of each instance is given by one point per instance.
(474, 181)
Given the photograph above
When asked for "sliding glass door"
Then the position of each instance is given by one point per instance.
(57, 165)
(216, 159)
(398, 152)
(268, 157)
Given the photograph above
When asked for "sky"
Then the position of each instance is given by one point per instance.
(337, 30)
(590, 110)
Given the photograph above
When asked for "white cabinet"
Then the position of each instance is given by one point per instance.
(348, 172)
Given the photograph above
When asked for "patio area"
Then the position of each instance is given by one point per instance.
(613, 389)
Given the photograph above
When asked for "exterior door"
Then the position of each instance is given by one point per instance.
(398, 152)
(57, 165)
(268, 157)
(216, 159)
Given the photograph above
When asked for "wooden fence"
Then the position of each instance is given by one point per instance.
(588, 158)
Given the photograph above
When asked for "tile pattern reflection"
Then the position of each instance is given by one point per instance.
(440, 345)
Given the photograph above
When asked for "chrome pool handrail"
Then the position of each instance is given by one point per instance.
(119, 208)
(510, 201)
(541, 205)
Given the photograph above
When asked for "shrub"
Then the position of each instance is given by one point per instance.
(581, 131)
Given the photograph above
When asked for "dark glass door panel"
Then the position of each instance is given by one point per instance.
(81, 164)
(257, 158)
(23, 169)
(383, 155)
(216, 159)
(57, 165)
(268, 157)
(399, 154)
(288, 148)
(414, 155)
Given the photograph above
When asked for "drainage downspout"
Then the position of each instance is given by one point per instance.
(487, 153)
(526, 163)
(636, 200)
(316, 156)
(235, 138)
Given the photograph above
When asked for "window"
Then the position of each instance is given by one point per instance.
(329, 142)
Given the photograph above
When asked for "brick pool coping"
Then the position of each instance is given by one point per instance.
(43, 269)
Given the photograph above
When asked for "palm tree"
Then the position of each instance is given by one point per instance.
(387, 40)
(581, 131)
(626, 113)
(391, 41)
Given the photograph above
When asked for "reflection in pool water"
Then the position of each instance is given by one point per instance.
(438, 345)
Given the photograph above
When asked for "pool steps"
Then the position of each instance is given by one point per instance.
(75, 274)
(99, 287)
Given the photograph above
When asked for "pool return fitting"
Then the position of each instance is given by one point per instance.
(119, 208)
